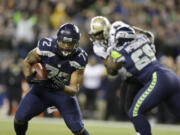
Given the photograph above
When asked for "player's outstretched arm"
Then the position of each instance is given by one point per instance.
(75, 82)
(29, 61)
(149, 34)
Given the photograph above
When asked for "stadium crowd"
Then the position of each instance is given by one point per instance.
(24, 22)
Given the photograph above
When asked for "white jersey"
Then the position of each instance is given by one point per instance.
(93, 76)
(101, 49)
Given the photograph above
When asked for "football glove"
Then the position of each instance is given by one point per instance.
(57, 83)
(32, 80)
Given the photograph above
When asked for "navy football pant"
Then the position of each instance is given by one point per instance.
(163, 87)
(39, 98)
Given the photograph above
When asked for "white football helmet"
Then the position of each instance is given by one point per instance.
(124, 34)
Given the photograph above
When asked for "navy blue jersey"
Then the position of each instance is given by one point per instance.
(138, 58)
(40, 97)
(159, 83)
(57, 65)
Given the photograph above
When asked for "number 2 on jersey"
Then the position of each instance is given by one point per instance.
(47, 43)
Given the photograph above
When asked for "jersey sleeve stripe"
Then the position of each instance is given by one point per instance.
(45, 53)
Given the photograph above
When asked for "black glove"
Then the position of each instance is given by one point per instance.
(57, 83)
(32, 80)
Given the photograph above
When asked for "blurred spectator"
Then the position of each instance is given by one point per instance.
(92, 84)
(178, 65)
(168, 61)
(14, 78)
(59, 16)
(3, 80)
(24, 33)
(113, 108)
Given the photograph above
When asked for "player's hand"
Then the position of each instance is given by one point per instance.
(57, 83)
(32, 80)
(31, 77)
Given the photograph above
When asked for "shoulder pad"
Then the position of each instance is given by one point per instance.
(80, 60)
(142, 37)
(45, 47)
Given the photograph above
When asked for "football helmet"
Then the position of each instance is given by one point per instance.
(99, 28)
(68, 37)
(124, 34)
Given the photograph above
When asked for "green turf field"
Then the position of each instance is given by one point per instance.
(57, 127)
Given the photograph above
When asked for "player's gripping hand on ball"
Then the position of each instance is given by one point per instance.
(34, 72)
(57, 83)
(38, 75)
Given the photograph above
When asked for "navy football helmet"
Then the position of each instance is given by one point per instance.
(68, 37)
(124, 34)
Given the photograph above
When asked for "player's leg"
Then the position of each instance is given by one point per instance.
(70, 110)
(147, 98)
(30, 106)
(174, 105)
(173, 101)
(133, 87)
(123, 93)
(72, 116)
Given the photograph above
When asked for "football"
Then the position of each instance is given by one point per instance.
(41, 72)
